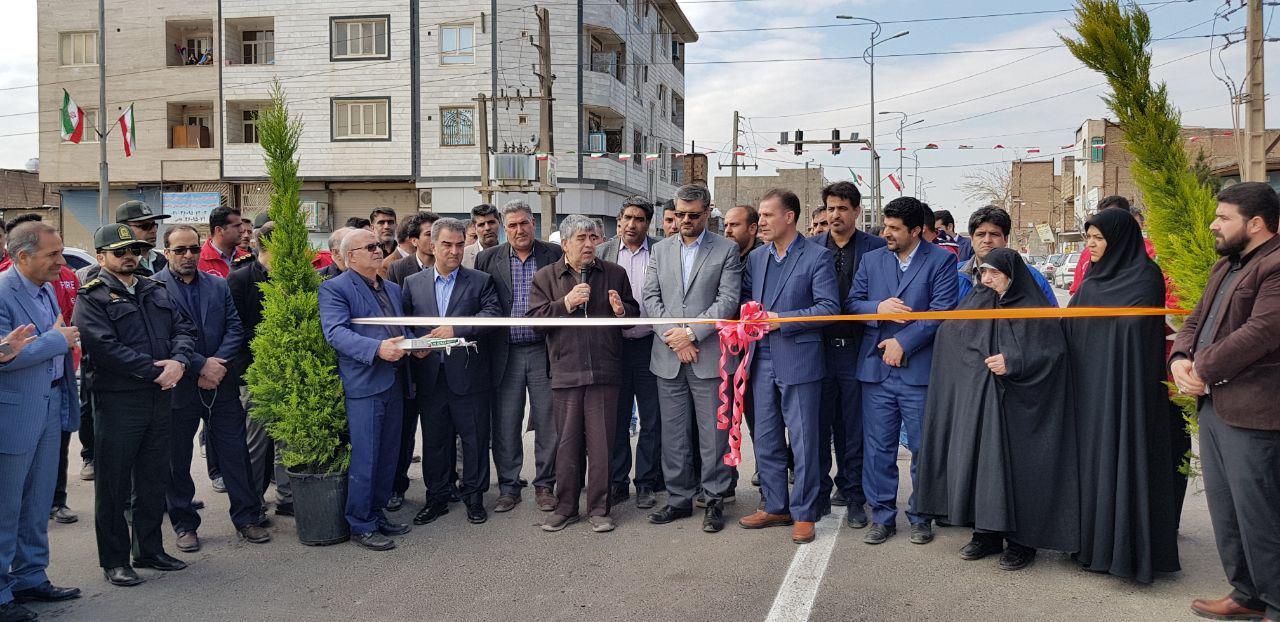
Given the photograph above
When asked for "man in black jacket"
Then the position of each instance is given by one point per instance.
(140, 346)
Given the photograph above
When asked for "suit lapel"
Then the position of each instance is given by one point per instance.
(504, 268)
(1245, 273)
(703, 250)
(433, 306)
(916, 264)
(459, 284)
(206, 295)
(27, 304)
(797, 249)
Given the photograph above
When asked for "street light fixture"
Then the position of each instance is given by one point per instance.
(869, 57)
(902, 125)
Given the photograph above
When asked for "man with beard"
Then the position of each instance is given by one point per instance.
(383, 220)
(140, 346)
(1225, 355)
(631, 249)
(485, 218)
(669, 225)
(818, 222)
(989, 229)
(145, 225)
(209, 391)
(222, 248)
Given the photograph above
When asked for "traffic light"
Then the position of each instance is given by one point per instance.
(835, 142)
(799, 142)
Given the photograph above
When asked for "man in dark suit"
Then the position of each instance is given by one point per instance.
(38, 401)
(208, 391)
(373, 379)
(419, 229)
(894, 358)
(1225, 354)
(520, 362)
(453, 388)
(791, 277)
(631, 250)
(840, 419)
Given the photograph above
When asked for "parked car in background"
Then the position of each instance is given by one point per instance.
(1066, 273)
(1051, 265)
(77, 258)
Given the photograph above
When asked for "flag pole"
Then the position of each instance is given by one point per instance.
(103, 185)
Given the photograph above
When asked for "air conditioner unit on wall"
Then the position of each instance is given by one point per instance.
(424, 198)
(319, 216)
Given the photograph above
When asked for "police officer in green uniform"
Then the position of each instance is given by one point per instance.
(140, 346)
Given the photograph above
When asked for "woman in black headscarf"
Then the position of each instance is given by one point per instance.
(999, 448)
(1128, 520)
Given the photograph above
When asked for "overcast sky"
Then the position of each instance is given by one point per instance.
(950, 89)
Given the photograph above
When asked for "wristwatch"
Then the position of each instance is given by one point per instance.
(689, 331)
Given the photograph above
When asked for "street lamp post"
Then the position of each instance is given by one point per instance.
(869, 57)
(902, 126)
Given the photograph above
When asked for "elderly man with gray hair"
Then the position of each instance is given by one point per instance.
(339, 262)
(585, 367)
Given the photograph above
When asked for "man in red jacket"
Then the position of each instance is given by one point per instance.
(222, 248)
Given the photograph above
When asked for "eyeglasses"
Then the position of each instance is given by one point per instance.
(146, 226)
(369, 248)
(185, 250)
(131, 250)
(688, 215)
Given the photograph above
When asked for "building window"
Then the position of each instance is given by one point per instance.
(79, 48)
(662, 161)
(250, 125)
(361, 119)
(258, 47)
(457, 127)
(360, 38)
(90, 134)
(637, 148)
(457, 44)
(1096, 146)
(662, 97)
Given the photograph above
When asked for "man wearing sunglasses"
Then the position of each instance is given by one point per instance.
(146, 226)
(208, 391)
(139, 346)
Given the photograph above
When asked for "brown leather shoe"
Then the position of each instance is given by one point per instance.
(545, 499)
(506, 503)
(188, 542)
(761, 519)
(803, 532)
(1225, 608)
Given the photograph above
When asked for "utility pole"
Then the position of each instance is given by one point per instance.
(733, 163)
(546, 186)
(1255, 168)
(104, 187)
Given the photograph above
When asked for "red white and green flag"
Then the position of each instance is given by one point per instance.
(128, 132)
(897, 185)
(72, 119)
(624, 157)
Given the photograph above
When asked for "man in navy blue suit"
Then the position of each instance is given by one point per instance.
(893, 362)
(840, 420)
(453, 387)
(209, 391)
(37, 398)
(373, 380)
(791, 277)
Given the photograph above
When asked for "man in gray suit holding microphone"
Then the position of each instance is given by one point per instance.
(694, 274)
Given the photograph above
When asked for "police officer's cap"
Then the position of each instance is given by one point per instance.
(116, 235)
(137, 211)
(261, 219)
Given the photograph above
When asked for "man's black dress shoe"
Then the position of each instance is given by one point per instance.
(646, 498)
(713, 520)
(454, 495)
(388, 528)
(123, 576)
(979, 547)
(373, 541)
(476, 514)
(395, 503)
(879, 533)
(430, 513)
(47, 593)
(668, 514)
(1017, 557)
(284, 509)
(857, 518)
(162, 561)
(13, 612)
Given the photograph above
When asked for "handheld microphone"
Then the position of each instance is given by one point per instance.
(582, 278)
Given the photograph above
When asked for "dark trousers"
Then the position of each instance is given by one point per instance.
(786, 411)
(408, 440)
(840, 425)
(86, 422)
(447, 416)
(889, 408)
(374, 423)
(639, 386)
(131, 457)
(1242, 484)
(585, 419)
(225, 423)
(211, 456)
(60, 491)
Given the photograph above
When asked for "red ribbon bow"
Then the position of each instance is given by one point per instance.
(735, 336)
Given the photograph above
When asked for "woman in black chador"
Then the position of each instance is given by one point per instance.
(1128, 513)
(999, 440)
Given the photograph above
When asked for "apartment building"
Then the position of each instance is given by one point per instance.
(386, 91)
(806, 182)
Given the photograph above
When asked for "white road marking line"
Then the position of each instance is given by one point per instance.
(799, 588)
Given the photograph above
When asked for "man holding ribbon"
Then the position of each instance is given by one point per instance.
(789, 277)
(693, 274)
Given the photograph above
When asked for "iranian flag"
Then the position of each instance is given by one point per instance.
(72, 119)
(624, 157)
(897, 185)
(128, 132)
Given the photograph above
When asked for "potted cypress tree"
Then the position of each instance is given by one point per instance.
(296, 391)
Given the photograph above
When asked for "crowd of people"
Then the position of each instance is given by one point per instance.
(1035, 433)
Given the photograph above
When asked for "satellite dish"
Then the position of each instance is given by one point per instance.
(33, 165)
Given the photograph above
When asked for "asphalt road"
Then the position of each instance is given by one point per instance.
(508, 569)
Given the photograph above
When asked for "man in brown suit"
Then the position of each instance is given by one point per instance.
(585, 367)
(1226, 354)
